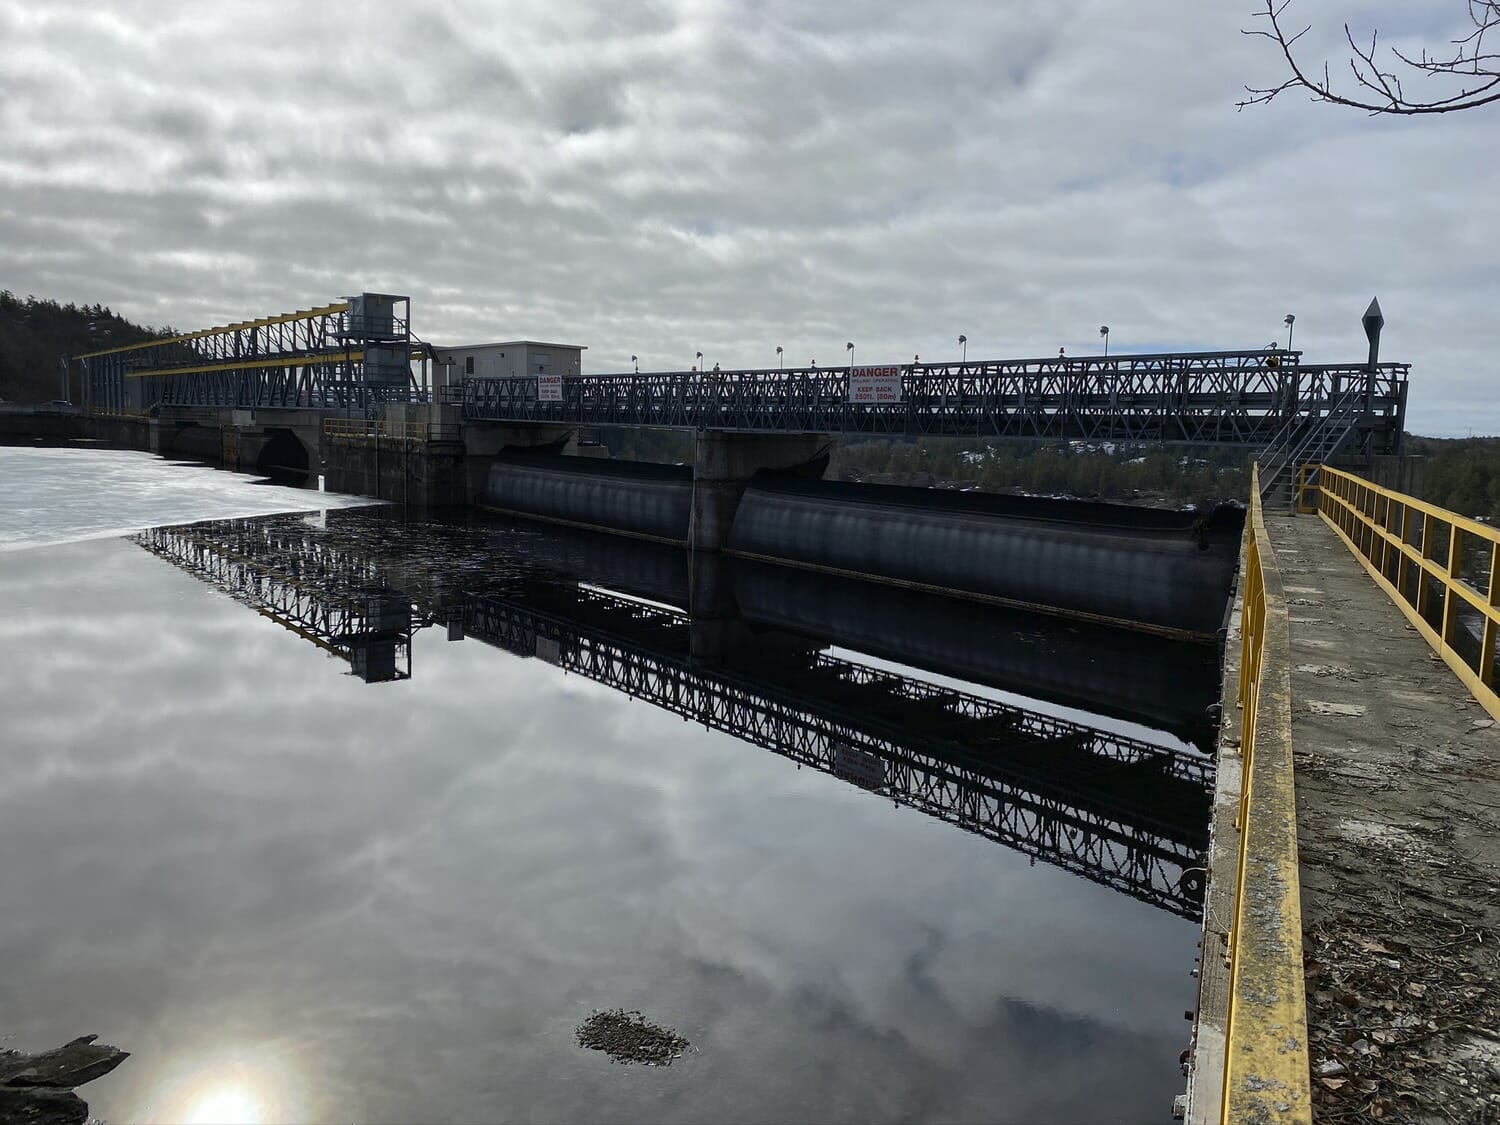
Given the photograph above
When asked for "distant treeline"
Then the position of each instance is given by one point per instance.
(1107, 471)
(1174, 474)
(34, 333)
(1460, 474)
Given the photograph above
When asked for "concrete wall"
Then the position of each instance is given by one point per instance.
(27, 426)
(200, 442)
(398, 471)
(122, 433)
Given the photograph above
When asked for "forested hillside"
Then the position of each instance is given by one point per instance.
(34, 333)
(1094, 470)
(1461, 474)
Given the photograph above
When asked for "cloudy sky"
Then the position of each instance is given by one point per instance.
(660, 177)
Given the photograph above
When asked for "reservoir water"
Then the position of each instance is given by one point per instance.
(325, 813)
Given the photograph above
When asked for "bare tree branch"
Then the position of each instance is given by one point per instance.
(1467, 78)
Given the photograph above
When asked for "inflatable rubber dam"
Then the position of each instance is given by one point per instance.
(1145, 569)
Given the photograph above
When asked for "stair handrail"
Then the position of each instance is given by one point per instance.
(1278, 462)
(1342, 415)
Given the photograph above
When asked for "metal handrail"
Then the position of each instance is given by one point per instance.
(385, 429)
(1343, 410)
(1185, 398)
(1266, 1076)
(1398, 539)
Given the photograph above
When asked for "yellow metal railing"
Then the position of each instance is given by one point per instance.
(382, 429)
(1265, 1058)
(1441, 569)
(1305, 499)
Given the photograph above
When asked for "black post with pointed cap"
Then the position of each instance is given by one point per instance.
(1373, 322)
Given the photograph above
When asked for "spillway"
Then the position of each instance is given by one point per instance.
(1112, 563)
(1143, 568)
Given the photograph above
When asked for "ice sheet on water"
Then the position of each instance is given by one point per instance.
(61, 495)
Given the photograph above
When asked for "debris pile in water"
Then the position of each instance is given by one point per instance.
(629, 1037)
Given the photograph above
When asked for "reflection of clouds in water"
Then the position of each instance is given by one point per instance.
(232, 841)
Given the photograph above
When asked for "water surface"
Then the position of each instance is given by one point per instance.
(294, 894)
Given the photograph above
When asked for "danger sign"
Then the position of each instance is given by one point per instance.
(875, 384)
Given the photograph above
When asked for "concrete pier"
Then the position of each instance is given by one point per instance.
(412, 471)
(723, 465)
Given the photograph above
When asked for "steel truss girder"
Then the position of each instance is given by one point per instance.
(306, 361)
(1200, 397)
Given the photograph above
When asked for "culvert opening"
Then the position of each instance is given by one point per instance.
(283, 458)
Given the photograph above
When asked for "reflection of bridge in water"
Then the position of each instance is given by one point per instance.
(339, 603)
(1119, 810)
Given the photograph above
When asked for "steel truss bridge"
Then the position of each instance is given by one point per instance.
(345, 356)
(1245, 397)
(350, 356)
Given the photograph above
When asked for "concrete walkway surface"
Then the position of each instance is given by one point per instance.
(1398, 824)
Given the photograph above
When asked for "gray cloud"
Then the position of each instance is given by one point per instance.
(732, 176)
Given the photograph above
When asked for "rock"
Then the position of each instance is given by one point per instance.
(42, 1106)
(37, 1089)
(64, 1067)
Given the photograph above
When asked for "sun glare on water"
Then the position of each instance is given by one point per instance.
(246, 1088)
(226, 1105)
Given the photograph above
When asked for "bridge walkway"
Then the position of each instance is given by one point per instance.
(1398, 835)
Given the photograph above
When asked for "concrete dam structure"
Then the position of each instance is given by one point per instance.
(1142, 568)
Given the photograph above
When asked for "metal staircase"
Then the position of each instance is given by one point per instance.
(1307, 439)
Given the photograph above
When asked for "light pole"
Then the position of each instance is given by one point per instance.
(1289, 321)
(849, 347)
(634, 362)
(1104, 331)
(778, 357)
(700, 362)
(964, 343)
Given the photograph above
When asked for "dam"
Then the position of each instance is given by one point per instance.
(1112, 564)
(349, 388)
(725, 589)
